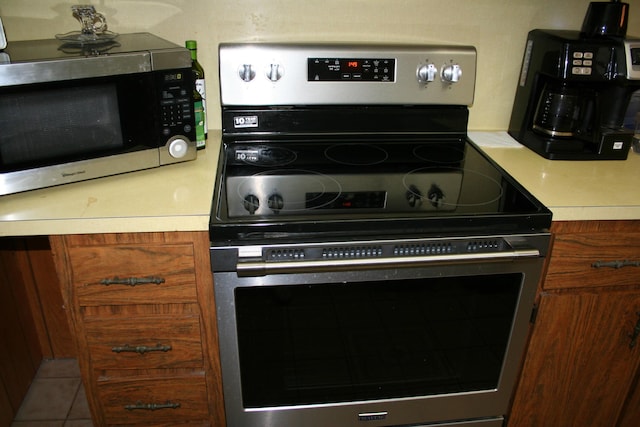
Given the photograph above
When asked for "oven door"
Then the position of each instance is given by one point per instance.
(411, 341)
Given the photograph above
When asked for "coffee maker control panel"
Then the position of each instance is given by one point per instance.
(582, 62)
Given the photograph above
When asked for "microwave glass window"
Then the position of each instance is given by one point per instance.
(56, 124)
(310, 344)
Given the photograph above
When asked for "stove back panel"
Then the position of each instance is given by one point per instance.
(298, 74)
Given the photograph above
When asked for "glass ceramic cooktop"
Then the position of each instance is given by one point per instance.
(330, 183)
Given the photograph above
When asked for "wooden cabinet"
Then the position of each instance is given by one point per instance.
(582, 362)
(33, 321)
(143, 311)
(20, 353)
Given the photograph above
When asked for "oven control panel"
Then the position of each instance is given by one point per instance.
(256, 74)
(270, 194)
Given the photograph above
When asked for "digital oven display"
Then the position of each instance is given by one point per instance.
(351, 69)
(346, 200)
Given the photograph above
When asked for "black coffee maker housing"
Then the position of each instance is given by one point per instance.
(574, 90)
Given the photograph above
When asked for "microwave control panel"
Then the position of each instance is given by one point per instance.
(176, 109)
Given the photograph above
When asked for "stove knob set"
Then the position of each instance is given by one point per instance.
(435, 196)
(273, 72)
(451, 73)
(427, 73)
(251, 203)
(414, 197)
(275, 202)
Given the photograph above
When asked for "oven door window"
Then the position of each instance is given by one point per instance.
(326, 343)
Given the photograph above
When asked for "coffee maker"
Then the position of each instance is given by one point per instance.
(575, 87)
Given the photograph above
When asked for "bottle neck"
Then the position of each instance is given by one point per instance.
(194, 54)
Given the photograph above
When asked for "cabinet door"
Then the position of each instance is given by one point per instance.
(631, 413)
(580, 364)
(20, 353)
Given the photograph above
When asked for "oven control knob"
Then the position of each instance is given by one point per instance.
(435, 196)
(427, 73)
(275, 202)
(246, 72)
(414, 197)
(451, 73)
(274, 72)
(251, 203)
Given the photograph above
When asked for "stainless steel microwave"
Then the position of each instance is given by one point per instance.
(71, 112)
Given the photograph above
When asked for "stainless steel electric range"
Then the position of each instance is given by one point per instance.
(372, 266)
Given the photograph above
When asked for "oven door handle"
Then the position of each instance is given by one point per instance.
(262, 268)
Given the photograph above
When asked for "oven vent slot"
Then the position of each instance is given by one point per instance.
(285, 254)
(347, 252)
(488, 245)
(423, 249)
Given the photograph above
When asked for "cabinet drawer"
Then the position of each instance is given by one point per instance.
(133, 274)
(582, 260)
(134, 400)
(147, 342)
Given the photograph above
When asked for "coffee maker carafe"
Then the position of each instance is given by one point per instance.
(575, 87)
(564, 111)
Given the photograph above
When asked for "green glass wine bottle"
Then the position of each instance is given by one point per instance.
(199, 95)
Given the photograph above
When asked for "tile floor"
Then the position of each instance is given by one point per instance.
(56, 398)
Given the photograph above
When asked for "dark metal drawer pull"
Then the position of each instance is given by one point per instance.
(636, 333)
(132, 281)
(141, 349)
(616, 264)
(152, 406)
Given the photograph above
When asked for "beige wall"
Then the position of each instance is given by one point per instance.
(497, 28)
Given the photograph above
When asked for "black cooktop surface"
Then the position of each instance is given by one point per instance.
(331, 187)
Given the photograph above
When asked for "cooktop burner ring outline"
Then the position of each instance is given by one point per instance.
(382, 151)
(441, 161)
(298, 206)
(439, 169)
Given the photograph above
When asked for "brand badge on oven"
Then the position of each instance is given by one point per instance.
(245, 122)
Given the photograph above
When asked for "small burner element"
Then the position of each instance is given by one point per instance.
(445, 154)
(359, 154)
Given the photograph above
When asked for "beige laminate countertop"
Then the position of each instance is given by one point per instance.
(178, 197)
(170, 198)
(572, 190)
